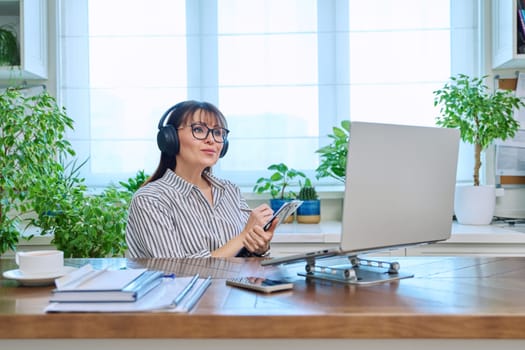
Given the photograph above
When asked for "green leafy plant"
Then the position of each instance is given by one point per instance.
(481, 116)
(279, 182)
(88, 226)
(333, 156)
(134, 183)
(84, 224)
(32, 138)
(307, 192)
(9, 49)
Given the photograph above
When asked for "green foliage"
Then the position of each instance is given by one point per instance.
(333, 155)
(9, 50)
(307, 191)
(36, 179)
(279, 183)
(134, 183)
(83, 224)
(481, 116)
(32, 138)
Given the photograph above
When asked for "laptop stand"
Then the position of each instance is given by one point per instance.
(359, 271)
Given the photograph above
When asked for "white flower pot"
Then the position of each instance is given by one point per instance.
(475, 205)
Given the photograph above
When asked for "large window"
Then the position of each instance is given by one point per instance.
(284, 72)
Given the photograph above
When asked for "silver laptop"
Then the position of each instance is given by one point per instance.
(399, 189)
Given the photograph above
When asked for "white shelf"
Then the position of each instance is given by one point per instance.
(505, 36)
(29, 17)
(486, 240)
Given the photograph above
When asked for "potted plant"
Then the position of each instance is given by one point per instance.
(39, 188)
(84, 224)
(136, 182)
(309, 212)
(482, 117)
(9, 49)
(333, 155)
(279, 185)
(32, 138)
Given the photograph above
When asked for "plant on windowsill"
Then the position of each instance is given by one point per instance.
(309, 212)
(482, 117)
(32, 138)
(84, 224)
(279, 185)
(39, 188)
(9, 49)
(333, 155)
(136, 182)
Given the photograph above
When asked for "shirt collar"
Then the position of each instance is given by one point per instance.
(186, 187)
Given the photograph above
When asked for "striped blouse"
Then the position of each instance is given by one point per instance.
(171, 218)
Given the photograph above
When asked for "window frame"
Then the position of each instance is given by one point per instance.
(333, 100)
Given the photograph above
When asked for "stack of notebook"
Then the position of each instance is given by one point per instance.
(128, 290)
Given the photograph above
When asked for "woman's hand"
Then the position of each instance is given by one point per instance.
(259, 216)
(257, 241)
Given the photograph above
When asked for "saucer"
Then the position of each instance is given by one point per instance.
(36, 279)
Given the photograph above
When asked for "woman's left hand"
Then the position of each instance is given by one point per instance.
(257, 241)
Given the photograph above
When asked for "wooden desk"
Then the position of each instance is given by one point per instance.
(449, 298)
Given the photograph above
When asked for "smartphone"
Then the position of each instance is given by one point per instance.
(283, 212)
(259, 284)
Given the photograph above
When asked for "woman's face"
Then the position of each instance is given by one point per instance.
(195, 153)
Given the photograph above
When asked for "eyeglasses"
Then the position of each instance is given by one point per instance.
(201, 132)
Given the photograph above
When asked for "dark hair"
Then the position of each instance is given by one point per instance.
(183, 112)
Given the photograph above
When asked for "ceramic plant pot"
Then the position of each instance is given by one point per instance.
(475, 205)
(275, 204)
(309, 212)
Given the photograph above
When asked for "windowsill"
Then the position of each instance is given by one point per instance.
(324, 192)
(324, 232)
(329, 232)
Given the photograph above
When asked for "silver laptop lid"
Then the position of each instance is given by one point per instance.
(400, 183)
(399, 189)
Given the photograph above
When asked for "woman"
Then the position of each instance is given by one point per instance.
(185, 211)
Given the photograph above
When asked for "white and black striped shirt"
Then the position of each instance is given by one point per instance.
(171, 218)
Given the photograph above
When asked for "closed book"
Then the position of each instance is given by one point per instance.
(90, 285)
(178, 295)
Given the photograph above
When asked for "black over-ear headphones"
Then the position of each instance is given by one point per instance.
(168, 139)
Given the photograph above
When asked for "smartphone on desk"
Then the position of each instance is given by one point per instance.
(259, 284)
(287, 209)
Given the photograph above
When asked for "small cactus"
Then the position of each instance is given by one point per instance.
(307, 193)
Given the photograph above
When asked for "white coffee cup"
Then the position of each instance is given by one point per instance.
(40, 262)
